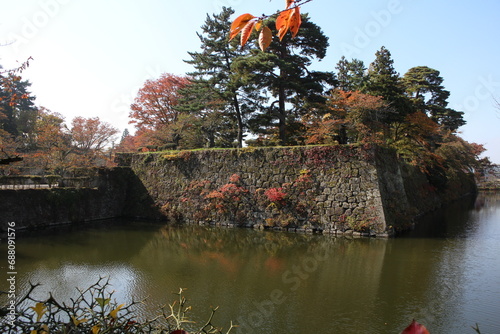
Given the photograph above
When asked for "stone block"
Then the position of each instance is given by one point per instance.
(338, 211)
(340, 198)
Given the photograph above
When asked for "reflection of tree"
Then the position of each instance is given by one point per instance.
(204, 246)
(428, 274)
(487, 201)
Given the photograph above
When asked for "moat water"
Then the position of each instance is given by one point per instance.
(445, 273)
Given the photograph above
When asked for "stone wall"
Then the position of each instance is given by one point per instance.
(31, 208)
(332, 189)
(276, 187)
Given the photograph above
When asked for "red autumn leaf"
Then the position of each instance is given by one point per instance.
(289, 3)
(265, 38)
(180, 331)
(415, 328)
(238, 24)
(247, 31)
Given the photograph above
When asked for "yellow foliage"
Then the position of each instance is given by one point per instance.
(40, 309)
(77, 322)
(114, 313)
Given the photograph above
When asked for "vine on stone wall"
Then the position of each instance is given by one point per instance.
(291, 204)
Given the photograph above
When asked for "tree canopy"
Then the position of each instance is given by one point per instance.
(283, 73)
(35, 137)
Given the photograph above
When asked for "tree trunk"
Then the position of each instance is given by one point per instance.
(282, 111)
(239, 120)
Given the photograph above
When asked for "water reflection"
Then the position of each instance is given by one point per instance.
(445, 273)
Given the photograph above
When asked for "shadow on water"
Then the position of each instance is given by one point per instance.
(452, 221)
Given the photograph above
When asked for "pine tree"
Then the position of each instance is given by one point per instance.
(215, 90)
(125, 134)
(351, 75)
(384, 81)
(423, 85)
(283, 73)
(18, 112)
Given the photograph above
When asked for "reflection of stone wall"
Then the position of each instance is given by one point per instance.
(330, 188)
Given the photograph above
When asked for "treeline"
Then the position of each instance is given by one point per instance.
(36, 138)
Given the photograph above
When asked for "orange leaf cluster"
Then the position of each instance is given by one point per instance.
(239, 25)
(245, 24)
(287, 20)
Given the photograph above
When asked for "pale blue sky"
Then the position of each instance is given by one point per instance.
(91, 57)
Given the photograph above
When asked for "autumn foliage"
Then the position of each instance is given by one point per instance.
(155, 103)
(91, 134)
(273, 95)
(53, 146)
(275, 195)
(351, 117)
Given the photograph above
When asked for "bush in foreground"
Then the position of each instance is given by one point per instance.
(94, 311)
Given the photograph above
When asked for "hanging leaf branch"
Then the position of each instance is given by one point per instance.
(288, 19)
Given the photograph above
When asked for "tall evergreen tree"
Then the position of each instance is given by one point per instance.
(18, 112)
(351, 75)
(215, 88)
(423, 85)
(125, 134)
(283, 73)
(384, 81)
